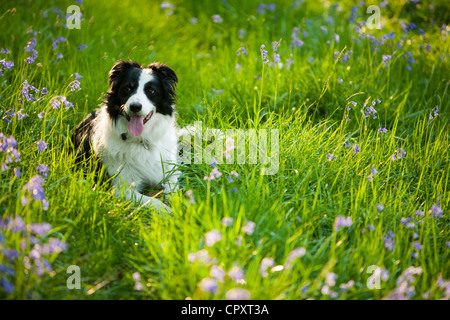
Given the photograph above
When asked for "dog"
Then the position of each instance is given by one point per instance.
(134, 132)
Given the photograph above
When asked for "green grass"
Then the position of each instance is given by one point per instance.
(110, 240)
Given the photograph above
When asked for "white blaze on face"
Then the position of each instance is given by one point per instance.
(136, 123)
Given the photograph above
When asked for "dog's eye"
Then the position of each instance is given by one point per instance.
(150, 90)
(127, 89)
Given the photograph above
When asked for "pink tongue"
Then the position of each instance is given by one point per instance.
(136, 126)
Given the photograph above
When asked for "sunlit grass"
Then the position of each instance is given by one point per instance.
(308, 103)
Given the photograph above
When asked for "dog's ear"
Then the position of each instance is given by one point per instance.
(118, 69)
(167, 75)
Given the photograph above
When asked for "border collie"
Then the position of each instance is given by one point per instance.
(134, 132)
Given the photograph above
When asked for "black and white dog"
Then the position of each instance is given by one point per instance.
(134, 132)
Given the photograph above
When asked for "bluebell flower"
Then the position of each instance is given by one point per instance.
(263, 53)
(41, 145)
(209, 285)
(75, 85)
(330, 156)
(17, 173)
(35, 188)
(81, 47)
(261, 9)
(217, 19)
(270, 6)
(56, 41)
(342, 222)
(43, 169)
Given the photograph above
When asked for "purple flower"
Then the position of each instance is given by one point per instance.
(7, 64)
(212, 237)
(137, 281)
(288, 63)
(263, 53)
(386, 58)
(436, 211)
(217, 273)
(59, 56)
(78, 76)
(294, 254)
(336, 38)
(56, 41)
(75, 85)
(356, 148)
(276, 58)
(227, 221)
(261, 9)
(419, 213)
(17, 172)
(389, 240)
(39, 228)
(417, 246)
(209, 285)
(249, 227)
(217, 19)
(81, 47)
(190, 194)
(342, 222)
(16, 225)
(373, 171)
(234, 173)
(382, 130)
(26, 88)
(237, 294)
(41, 145)
(8, 287)
(270, 7)
(34, 187)
(53, 246)
(236, 274)
(20, 115)
(43, 169)
(167, 5)
(265, 263)
(330, 156)
(194, 20)
(44, 91)
(41, 115)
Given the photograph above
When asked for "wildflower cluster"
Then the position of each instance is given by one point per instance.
(31, 45)
(11, 113)
(8, 146)
(34, 250)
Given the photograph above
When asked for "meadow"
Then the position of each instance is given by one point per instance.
(357, 209)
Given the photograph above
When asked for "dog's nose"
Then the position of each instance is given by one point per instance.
(135, 107)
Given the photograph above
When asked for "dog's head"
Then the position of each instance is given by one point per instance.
(137, 93)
